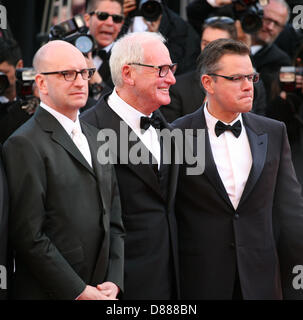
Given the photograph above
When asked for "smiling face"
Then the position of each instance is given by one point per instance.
(228, 98)
(149, 90)
(105, 31)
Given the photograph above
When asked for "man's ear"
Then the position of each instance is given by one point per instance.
(127, 75)
(86, 17)
(41, 83)
(207, 82)
(19, 64)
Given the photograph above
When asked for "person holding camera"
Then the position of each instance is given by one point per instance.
(266, 56)
(154, 16)
(11, 113)
(104, 18)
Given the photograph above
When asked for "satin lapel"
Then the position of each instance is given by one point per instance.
(109, 119)
(173, 168)
(210, 170)
(59, 135)
(258, 146)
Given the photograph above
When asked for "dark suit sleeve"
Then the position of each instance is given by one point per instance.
(116, 253)
(288, 221)
(26, 174)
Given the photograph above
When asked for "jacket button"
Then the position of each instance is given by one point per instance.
(237, 216)
(232, 244)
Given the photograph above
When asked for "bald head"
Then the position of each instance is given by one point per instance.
(55, 91)
(54, 53)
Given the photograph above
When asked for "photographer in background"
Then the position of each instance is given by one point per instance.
(266, 56)
(287, 106)
(11, 113)
(199, 10)
(104, 18)
(183, 41)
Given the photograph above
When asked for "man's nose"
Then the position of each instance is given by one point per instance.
(170, 77)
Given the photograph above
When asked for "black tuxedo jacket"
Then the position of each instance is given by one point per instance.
(151, 268)
(65, 219)
(262, 239)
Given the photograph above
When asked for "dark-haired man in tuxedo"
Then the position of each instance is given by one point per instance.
(240, 222)
(142, 72)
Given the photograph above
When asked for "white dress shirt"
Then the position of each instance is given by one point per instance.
(68, 126)
(132, 118)
(232, 157)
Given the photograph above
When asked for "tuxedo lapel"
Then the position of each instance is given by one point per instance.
(258, 145)
(109, 119)
(210, 170)
(50, 124)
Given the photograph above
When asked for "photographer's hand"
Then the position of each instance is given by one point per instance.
(242, 36)
(153, 26)
(96, 78)
(128, 6)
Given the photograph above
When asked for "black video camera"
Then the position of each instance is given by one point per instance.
(25, 78)
(250, 13)
(4, 83)
(73, 31)
(288, 79)
(150, 10)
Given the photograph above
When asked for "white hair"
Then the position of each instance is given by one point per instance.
(128, 49)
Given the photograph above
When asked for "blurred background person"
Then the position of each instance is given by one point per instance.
(12, 112)
(104, 18)
(182, 40)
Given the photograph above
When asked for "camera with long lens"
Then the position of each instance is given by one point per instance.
(250, 13)
(4, 83)
(288, 79)
(150, 10)
(25, 78)
(73, 31)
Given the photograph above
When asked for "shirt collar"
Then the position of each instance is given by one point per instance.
(126, 112)
(211, 120)
(65, 122)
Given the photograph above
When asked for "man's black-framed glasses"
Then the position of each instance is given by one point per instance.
(163, 70)
(102, 15)
(71, 75)
(253, 77)
(277, 24)
(222, 19)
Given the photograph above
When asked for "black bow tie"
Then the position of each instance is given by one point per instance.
(102, 54)
(155, 121)
(235, 128)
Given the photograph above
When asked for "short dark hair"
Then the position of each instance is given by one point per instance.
(91, 5)
(9, 51)
(215, 50)
(229, 28)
